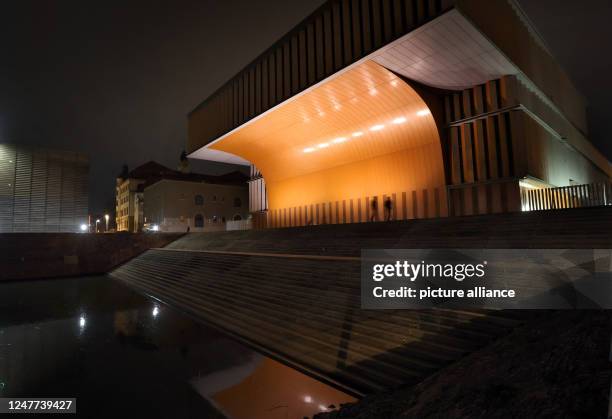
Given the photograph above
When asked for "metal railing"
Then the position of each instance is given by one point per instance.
(576, 196)
(424, 203)
(234, 225)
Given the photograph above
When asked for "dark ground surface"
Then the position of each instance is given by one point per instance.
(555, 367)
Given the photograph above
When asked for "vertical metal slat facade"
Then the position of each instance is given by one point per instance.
(41, 190)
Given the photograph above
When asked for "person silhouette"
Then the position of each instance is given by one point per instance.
(374, 206)
(388, 207)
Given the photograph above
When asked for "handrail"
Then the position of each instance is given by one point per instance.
(575, 196)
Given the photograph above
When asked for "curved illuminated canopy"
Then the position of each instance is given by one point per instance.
(362, 132)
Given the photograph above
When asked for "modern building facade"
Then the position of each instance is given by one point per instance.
(196, 203)
(42, 190)
(440, 107)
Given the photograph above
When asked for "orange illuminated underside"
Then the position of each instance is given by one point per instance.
(361, 133)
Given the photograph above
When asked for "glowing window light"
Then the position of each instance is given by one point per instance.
(339, 140)
(423, 112)
(307, 399)
(357, 134)
(82, 322)
(309, 149)
(399, 120)
(377, 127)
(323, 145)
(155, 311)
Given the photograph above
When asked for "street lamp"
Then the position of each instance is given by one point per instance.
(106, 217)
(97, 222)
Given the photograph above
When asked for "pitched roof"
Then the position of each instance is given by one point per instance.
(152, 172)
(148, 170)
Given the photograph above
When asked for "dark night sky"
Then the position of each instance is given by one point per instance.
(115, 79)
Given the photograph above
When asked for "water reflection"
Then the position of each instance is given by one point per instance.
(136, 356)
(268, 389)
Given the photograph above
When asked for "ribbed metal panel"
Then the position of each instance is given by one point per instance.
(42, 190)
(23, 180)
(39, 190)
(258, 198)
(54, 192)
(7, 180)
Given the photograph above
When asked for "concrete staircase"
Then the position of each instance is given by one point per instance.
(273, 290)
(562, 229)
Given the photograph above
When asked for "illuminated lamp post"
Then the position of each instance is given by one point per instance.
(97, 222)
(106, 217)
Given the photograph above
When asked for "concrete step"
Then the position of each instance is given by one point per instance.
(332, 325)
(573, 228)
(307, 312)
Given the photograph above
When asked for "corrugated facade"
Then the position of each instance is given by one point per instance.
(497, 135)
(42, 190)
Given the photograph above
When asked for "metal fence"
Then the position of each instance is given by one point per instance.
(576, 196)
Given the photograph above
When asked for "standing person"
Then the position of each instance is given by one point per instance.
(374, 206)
(388, 207)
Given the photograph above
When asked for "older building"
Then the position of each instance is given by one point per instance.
(193, 202)
(42, 190)
(450, 107)
(128, 194)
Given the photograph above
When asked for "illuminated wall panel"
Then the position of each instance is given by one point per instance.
(42, 190)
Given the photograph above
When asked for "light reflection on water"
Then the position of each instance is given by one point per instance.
(269, 389)
(94, 339)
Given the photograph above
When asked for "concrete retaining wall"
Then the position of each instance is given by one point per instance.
(46, 255)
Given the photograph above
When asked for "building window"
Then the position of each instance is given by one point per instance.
(199, 200)
(215, 219)
(237, 217)
(199, 220)
(237, 202)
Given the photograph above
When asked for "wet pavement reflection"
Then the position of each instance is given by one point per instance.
(120, 353)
